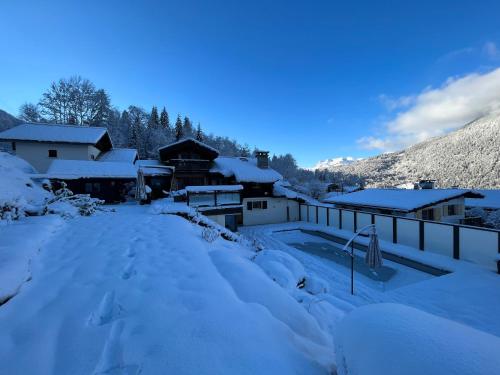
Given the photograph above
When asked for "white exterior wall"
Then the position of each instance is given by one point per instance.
(275, 212)
(37, 153)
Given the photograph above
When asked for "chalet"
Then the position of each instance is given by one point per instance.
(201, 175)
(447, 205)
(81, 156)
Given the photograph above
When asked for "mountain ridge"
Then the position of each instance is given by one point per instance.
(468, 157)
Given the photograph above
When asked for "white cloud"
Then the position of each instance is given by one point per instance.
(437, 111)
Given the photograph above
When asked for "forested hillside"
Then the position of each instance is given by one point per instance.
(468, 157)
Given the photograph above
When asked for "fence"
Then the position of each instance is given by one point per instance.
(474, 244)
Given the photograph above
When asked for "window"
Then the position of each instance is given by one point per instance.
(452, 210)
(88, 187)
(428, 214)
(228, 198)
(92, 157)
(97, 187)
(13, 146)
(52, 153)
(201, 199)
(257, 205)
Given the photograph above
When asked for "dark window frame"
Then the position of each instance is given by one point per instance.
(53, 154)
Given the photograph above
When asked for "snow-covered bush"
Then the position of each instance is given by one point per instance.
(284, 269)
(12, 210)
(493, 219)
(209, 234)
(315, 285)
(66, 203)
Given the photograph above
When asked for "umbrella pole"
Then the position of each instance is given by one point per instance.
(352, 268)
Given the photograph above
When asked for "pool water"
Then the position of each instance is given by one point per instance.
(391, 275)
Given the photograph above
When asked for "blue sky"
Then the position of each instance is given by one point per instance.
(319, 79)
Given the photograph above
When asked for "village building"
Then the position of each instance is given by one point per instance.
(81, 156)
(201, 173)
(446, 205)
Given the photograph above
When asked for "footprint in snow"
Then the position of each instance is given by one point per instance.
(107, 310)
(112, 361)
(128, 271)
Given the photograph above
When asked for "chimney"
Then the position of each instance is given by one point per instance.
(262, 159)
(426, 184)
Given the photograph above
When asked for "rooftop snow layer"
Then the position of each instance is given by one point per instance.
(491, 200)
(54, 133)
(244, 170)
(124, 155)
(213, 188)
(74, 169)
(190, 139)
(397, 199)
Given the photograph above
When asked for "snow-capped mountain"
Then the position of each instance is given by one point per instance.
(468, 157)
(334, 162)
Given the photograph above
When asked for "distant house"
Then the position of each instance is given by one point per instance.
(447, 205)
(490, 202)
(81, 156)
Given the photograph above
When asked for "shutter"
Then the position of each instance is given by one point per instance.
(264, 205)
(437, 214)
(249, 206)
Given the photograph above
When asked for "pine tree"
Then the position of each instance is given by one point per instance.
(188, 127)
(179, 131)
(164, 120)
(199, 133)
(154, 122)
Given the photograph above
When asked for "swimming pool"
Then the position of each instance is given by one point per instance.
(394, 273)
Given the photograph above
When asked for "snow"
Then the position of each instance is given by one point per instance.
(74, 169)
(154, 167)
(17, 250)
(491, 199)
(385, 339)
(16, 184)
(54, 133)
(398, 199)
(120, 293)
(282, 189)
(190, 139)
(213, 188)
(244, 170)
(125, 155)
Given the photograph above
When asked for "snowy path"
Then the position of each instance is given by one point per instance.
(130, 292)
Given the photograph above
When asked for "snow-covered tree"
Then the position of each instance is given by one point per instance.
(199, 133)
(154, 120)
(30, 112)
(179, 130)
(187, 127)
(164, 119)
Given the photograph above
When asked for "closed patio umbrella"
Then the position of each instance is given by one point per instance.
(373, 255)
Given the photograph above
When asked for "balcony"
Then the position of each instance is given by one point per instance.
(190, 165)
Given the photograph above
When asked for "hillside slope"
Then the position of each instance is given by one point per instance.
(468, 157)
(8, 121)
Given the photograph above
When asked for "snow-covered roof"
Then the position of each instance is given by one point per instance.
(244, 170)
(213, 188)
(283, 189)
(75, 169)
(124, 155)
(54, 133)
(189, 139)
(398, 199)
(491, 199)
(154, 167)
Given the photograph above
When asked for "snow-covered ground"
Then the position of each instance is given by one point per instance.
(468, 295)
(131, 292)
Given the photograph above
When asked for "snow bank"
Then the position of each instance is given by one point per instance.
(16, 187)
(244, 170)
(385, 339)
(281, 267)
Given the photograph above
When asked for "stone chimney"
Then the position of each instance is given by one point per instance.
(426, 184)
(262, 159)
